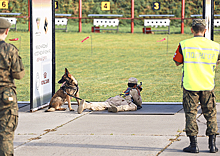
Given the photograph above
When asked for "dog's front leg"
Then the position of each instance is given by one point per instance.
(77, 95)
(69, 103)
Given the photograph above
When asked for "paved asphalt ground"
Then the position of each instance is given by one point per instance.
(88, 134)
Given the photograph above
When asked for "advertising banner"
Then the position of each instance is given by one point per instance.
(42, 52)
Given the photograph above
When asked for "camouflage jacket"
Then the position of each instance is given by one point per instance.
(11, 66)
(134, 97)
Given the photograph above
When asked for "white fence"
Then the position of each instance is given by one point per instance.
(157, 23)
(61, 21)
(105, 23)
(13, 21)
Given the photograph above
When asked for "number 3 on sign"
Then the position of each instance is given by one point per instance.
(3, 4)
(156, 5)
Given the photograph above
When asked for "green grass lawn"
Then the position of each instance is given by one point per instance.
(115, 57)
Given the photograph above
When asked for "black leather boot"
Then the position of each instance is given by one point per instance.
(212, 144)
(193, 147)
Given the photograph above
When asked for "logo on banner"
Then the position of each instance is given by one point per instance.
(43, 82)
(45, 75)
(46, 25)
(38, 26)
(38, 22)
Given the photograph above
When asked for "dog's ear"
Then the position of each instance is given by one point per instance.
(66, 72)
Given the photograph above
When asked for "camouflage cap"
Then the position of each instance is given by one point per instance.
(132, 80)
(198, 21)
(4, 24)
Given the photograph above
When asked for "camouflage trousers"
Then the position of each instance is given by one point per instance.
(208, 106)
(8, 124)
(8, 120)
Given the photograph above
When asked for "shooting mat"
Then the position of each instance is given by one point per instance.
(149, 109)
(23, 104)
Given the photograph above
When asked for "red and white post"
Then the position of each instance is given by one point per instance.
(132, 16)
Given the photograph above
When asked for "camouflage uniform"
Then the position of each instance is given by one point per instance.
(191, 98)
(198, 83)
(11, 68)
(136, 97)
(208, 105)
(116, 101)
(127, 101)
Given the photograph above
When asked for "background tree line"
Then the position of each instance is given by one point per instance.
(119, 7)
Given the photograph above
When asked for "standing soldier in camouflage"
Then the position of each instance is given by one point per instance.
(11, 68)
(199, 57)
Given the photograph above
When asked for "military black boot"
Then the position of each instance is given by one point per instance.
(212, 144)
(193, 147)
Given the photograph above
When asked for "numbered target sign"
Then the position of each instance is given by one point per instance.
(156, 5)
(3, 4)
(56, 4)
(105, 5)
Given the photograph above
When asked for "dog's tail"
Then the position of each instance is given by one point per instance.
(50, 109)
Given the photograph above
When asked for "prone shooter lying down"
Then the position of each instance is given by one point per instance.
(130, 100)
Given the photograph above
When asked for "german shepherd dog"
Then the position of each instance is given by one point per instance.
(69, 87)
